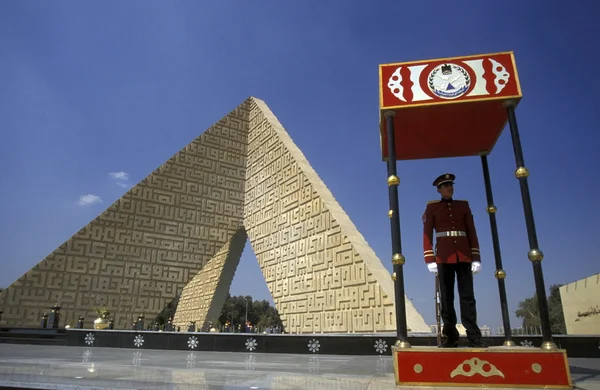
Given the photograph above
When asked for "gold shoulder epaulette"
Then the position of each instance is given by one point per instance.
(433, 201)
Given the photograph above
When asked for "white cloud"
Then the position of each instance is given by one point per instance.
(122, 178)
(88, 199)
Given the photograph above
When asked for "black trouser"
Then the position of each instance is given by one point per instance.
(468, 311)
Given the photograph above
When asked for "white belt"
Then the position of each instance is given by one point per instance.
(452, 233)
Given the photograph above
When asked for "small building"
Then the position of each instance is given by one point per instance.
(485, 330)
(581, 305)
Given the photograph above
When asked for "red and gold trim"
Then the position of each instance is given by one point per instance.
(447, 107)
(406, 84)
(496, 366)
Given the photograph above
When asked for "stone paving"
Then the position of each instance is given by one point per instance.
(57, 367)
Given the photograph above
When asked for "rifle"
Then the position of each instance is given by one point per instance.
(438, 311)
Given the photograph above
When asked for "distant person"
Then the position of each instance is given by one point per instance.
(456, 254)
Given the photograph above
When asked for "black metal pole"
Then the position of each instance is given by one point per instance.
(397, 259)
(500, 274)
(535, 255)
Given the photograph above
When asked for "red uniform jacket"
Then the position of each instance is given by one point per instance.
(444, 216)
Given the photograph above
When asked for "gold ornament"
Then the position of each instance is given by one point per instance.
(521, 172)
(398, 259)
(393, 181)
(476, 366)
(100, 323)
(535, 255)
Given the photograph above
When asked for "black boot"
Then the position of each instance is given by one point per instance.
(450, 337)
(476, 343)
(450, 343)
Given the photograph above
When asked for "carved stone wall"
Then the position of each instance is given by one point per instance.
(147, 246)
(203, 298)
(183, 229)
(321, 272)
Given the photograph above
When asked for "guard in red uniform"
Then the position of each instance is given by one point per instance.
(457, 255)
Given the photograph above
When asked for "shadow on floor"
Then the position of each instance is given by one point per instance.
(586, 374)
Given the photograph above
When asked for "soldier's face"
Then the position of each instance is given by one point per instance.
(446, 190)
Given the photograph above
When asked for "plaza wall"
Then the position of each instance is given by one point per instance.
(581, 305)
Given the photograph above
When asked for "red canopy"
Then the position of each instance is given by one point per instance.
(449, 107)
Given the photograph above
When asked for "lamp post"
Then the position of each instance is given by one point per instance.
(246, 299)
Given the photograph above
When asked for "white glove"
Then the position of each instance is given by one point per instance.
(475, 267)
(432, 267)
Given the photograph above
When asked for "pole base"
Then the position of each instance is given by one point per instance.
(509, 343)
(549, 346)
(401, 344)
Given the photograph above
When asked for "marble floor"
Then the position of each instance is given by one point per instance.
(55, 367)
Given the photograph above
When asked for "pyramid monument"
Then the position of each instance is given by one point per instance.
(182, 230)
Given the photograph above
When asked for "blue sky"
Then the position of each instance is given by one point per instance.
(88, 89)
